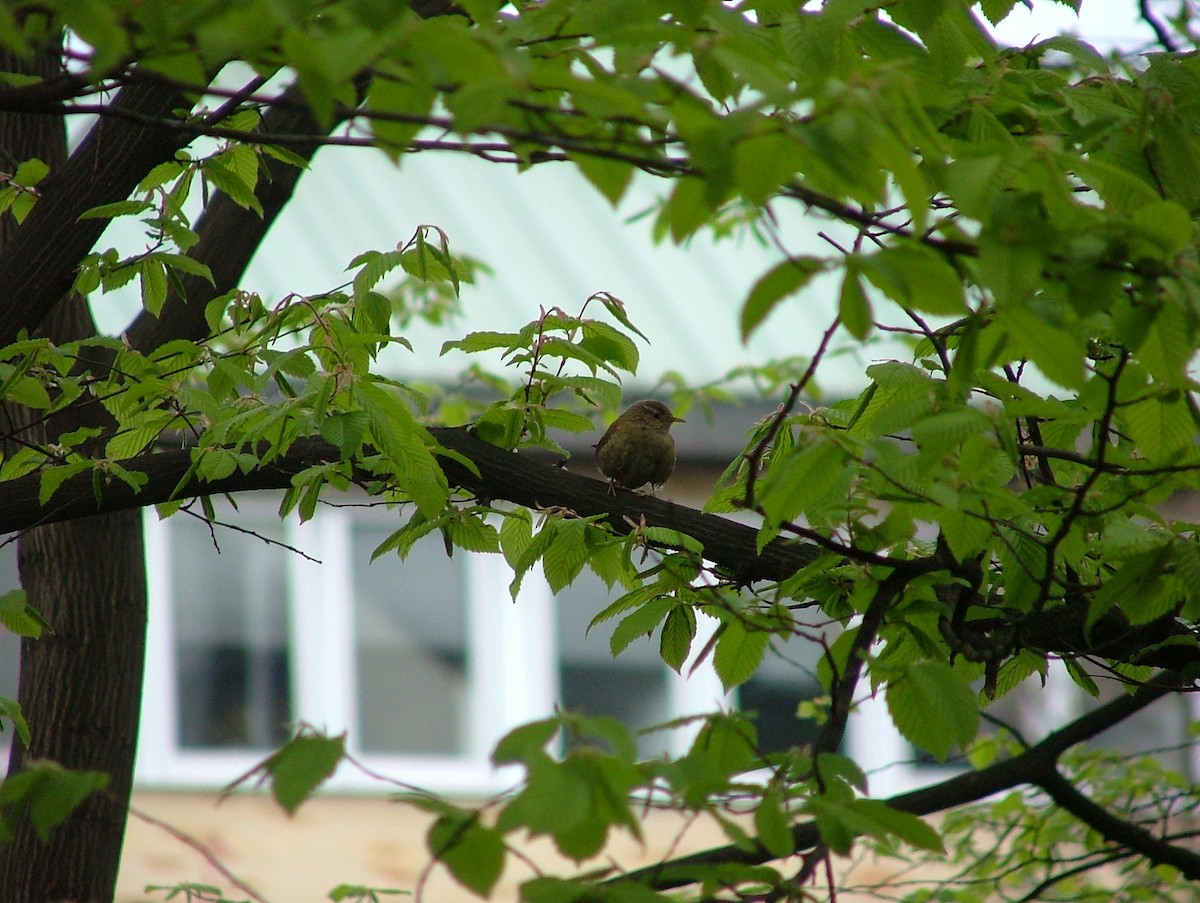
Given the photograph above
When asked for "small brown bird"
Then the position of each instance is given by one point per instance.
(638, 449)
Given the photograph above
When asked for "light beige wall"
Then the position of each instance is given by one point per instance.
(367, 841)
(331, 840)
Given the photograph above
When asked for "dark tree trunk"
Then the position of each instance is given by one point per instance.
(80, 686)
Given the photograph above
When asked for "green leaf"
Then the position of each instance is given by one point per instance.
(54, 477)
(345, 430)
(60, 794)
(739, 651)
(404, 102)
(473, 853)
(934, 707)
(11, 709)
(406, 445)
(49, 794)
(115, 209)
(1162, 426)
(916, 277)
(566, 554)
(18, 616)
(28, 391)
(188, 265)
(853, 306)
(777, 283)
(609, 344)
(610, 177)
(516, 532)
(301, 765)
(30, 172)
(841, 819)
(1137, 589)
(1058, 353)
(641, 622)
(154, 285)
(526, 743)
(771, 823)
(802, 481)
(678, 631)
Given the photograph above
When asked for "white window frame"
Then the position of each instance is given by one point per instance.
(511, 654)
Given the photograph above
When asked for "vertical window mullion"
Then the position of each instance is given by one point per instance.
(158, 735)
(320, 594)
(513, 650)
(696, 690)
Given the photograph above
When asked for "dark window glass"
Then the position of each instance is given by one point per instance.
(410, 646)
(231, 635)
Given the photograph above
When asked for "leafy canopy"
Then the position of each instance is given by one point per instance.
(1023, 219)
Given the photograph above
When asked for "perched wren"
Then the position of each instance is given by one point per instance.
(638, 448)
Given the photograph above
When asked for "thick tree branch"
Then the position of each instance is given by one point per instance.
(525, 480)
(38, 266)
(517, 478)
(229, 235)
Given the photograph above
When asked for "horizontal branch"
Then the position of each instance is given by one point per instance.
(527, 480)
(513, 477)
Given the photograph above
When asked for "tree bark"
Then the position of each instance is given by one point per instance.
(80, 685)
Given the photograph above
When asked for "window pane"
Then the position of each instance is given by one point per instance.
(410, 644)
(231, 635)
(631, 687)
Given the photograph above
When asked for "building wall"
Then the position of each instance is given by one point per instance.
(363, 840)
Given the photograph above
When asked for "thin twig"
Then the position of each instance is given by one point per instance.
(754, 458)
(209, 856)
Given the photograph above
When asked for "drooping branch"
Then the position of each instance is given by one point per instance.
(1031, 767)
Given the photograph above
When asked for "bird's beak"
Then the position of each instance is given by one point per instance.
(677, 419)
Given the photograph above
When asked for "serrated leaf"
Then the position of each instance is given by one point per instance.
(678, 631)
(915, 276)
(403, 441)
(30, 172)
(115, 209)
(189, 265)
(516, 532)
(738, 653)
(154, 285)
(640, 623)
(565, 556)
(934, 707)
(610, 177)
(841, 820)
(11, 709)
(779, 282)
(609, 344)
(771, 823)
(853, 306)
(526, 743)
(19, 617)
(53, 477)
(59, 793)
(345, 430)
